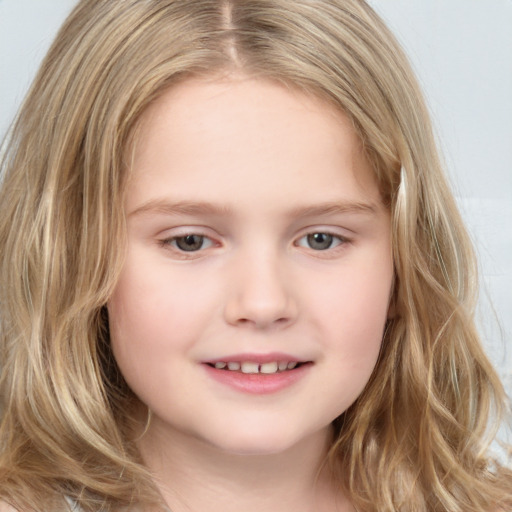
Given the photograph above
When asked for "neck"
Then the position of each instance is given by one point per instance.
(195, 476)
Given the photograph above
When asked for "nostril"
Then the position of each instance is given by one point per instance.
(262, 321)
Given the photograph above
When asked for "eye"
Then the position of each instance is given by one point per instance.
(189, 243)
(320, 241)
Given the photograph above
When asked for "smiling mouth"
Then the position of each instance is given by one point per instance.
(249, 367)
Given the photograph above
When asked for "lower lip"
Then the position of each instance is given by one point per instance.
(258, 383)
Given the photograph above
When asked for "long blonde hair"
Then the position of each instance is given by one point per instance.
(415, 440)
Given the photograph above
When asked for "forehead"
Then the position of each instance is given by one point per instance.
(220, 134)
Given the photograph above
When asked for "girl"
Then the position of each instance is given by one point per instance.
(233, 276)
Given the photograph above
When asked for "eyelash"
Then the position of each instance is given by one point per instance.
(331, 237)
(333, 241)
(173, 242)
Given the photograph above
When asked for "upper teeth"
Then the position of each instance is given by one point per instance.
(251, 367)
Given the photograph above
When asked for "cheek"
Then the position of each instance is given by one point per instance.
(351, 317)
(145, 313)
(157, 313)
(355, 302)
(150, 303)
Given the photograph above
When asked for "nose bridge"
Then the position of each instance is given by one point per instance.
(260, 291)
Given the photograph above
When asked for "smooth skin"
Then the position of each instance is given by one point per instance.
(255, 225)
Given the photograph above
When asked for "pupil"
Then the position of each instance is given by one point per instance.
(189, 242)
(320, 241)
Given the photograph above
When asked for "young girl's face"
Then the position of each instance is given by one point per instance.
(257, 241)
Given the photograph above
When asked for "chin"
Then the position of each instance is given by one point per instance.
(264, 441)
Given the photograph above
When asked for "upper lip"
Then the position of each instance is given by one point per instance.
(256, 358)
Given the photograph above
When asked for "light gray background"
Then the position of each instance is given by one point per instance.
(462, 52)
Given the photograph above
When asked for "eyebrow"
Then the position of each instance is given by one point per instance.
(333, 208)
(165, 207)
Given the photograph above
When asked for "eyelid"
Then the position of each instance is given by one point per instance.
(181, 231)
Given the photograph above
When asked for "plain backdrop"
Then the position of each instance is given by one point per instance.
(462, 53)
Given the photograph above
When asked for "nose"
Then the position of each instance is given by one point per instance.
(260, 293)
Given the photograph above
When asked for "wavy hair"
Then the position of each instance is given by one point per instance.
(416, 439)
